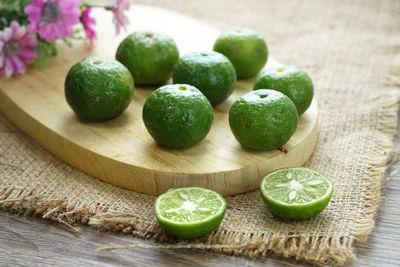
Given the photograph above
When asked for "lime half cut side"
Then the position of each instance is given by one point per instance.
(296, 193)
(189, 212)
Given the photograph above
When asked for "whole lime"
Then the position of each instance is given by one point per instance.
(149, 56)
(291, 81)
(98, 89)
(211, 72)
(263, 119)
(177, 115)
(245, 48)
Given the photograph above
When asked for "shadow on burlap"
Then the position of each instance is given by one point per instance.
(350, 49)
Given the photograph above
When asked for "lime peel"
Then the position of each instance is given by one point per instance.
(189, 212)
(296, 193)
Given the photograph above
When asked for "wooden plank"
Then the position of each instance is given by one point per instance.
(26, 241)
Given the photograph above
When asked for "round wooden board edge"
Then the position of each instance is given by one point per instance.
(146, 180)
(150, 181)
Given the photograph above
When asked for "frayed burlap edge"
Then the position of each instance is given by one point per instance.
(319, 250)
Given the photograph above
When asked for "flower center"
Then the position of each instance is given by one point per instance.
(51, 11)
(11, 48)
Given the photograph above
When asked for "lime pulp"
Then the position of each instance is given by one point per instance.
(189, 212)
(296, 193)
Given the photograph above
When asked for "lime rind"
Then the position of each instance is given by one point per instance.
(177, 115)
(191, 204)
(296, 193)
(190, 212)
(295, 188)
(289, 80)
(263, 119)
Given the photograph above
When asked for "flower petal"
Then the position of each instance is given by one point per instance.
(33, 9)
(14, 26)
(28, 39)
(27, 54)
(19, 65)
(61, 30)
(34, 12)
(69, 11)
(69, 4)
(1, 60)
(70, 18)
(8, 67)
(47, 32)
(18, 31)
(39, 2)
(34, 16)
(119, 18)
(127, 4)
(33, 27)
(6, 35)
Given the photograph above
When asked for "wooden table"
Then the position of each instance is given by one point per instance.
(26, 241)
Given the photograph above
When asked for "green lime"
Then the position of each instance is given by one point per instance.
(211, 72)
(149, 56)
(296, 193)
(263, 119)
(177, 115)
(98, 89)
(189, 212)
(289, 80)
(245, 48)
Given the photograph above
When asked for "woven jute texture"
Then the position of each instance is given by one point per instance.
(350, 49)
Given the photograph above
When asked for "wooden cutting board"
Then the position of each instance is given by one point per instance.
(120, 151)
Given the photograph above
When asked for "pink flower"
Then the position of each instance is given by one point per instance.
(53, 18)
(119, 18)
(16, 49)
(88, 24)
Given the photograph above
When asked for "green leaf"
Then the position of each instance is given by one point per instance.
(13, 10)
(45, 51)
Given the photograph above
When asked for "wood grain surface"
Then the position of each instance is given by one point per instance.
(121, 151)
(26, 241)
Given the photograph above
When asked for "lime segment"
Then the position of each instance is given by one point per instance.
(189, 212)
(296, 193)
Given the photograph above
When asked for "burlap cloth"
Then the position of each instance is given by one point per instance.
(350, 49)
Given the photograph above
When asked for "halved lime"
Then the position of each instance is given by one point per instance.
(189, 212)
(296, 193)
